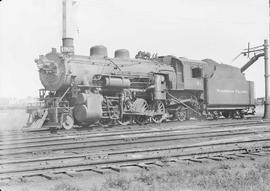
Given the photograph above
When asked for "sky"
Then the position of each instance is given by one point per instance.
(197, 29)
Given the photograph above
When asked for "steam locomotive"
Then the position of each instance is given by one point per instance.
(95, 89)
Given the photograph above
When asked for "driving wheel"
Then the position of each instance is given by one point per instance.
(159, 109)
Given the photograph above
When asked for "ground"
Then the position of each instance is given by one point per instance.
(12, 119)
(227, 175)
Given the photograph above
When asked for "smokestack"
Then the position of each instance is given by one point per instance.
(68, 27)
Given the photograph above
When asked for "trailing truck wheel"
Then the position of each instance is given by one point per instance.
(141, 119)
(126, 120)
(67, 121)
(105, 122)
(181, 114)
(159, 109)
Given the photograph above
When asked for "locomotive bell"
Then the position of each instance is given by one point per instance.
(121, 53)
(98, 51)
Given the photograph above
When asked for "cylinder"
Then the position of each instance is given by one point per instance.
(91, 111)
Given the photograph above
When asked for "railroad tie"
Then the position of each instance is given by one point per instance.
(244, 155)
(85, 169)
(114, 168)
(97, 171)
(142, 165)
(69, 173)
(169, 159)
(195, 160)
(47, 175)
(159, 163)
(215, 158)
(259, 154)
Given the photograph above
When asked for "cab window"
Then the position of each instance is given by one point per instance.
(196, 72)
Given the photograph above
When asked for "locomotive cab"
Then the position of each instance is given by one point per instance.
(189, 73)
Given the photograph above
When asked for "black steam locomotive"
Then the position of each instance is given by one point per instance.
(95, 89)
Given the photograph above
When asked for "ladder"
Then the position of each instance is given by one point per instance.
(37, 124)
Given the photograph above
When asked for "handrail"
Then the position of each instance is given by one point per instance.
(180, 102)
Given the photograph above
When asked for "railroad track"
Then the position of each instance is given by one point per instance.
(101, 141)
(116, 149)
(37, 134)
(118, 160)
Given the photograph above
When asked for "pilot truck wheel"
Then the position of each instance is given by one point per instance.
(67, 121)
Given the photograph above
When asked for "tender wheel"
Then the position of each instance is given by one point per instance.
(214, 115)
(159, 109)
(226, 114)
(105, 122)
(241, 115)
(181, 114)
(67, 121)
(126, 120)
(236, 115)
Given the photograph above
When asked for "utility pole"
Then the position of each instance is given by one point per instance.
(266, 77)
(260, 51)
(266, 74)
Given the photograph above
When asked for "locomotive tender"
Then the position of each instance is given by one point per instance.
(96, 89)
